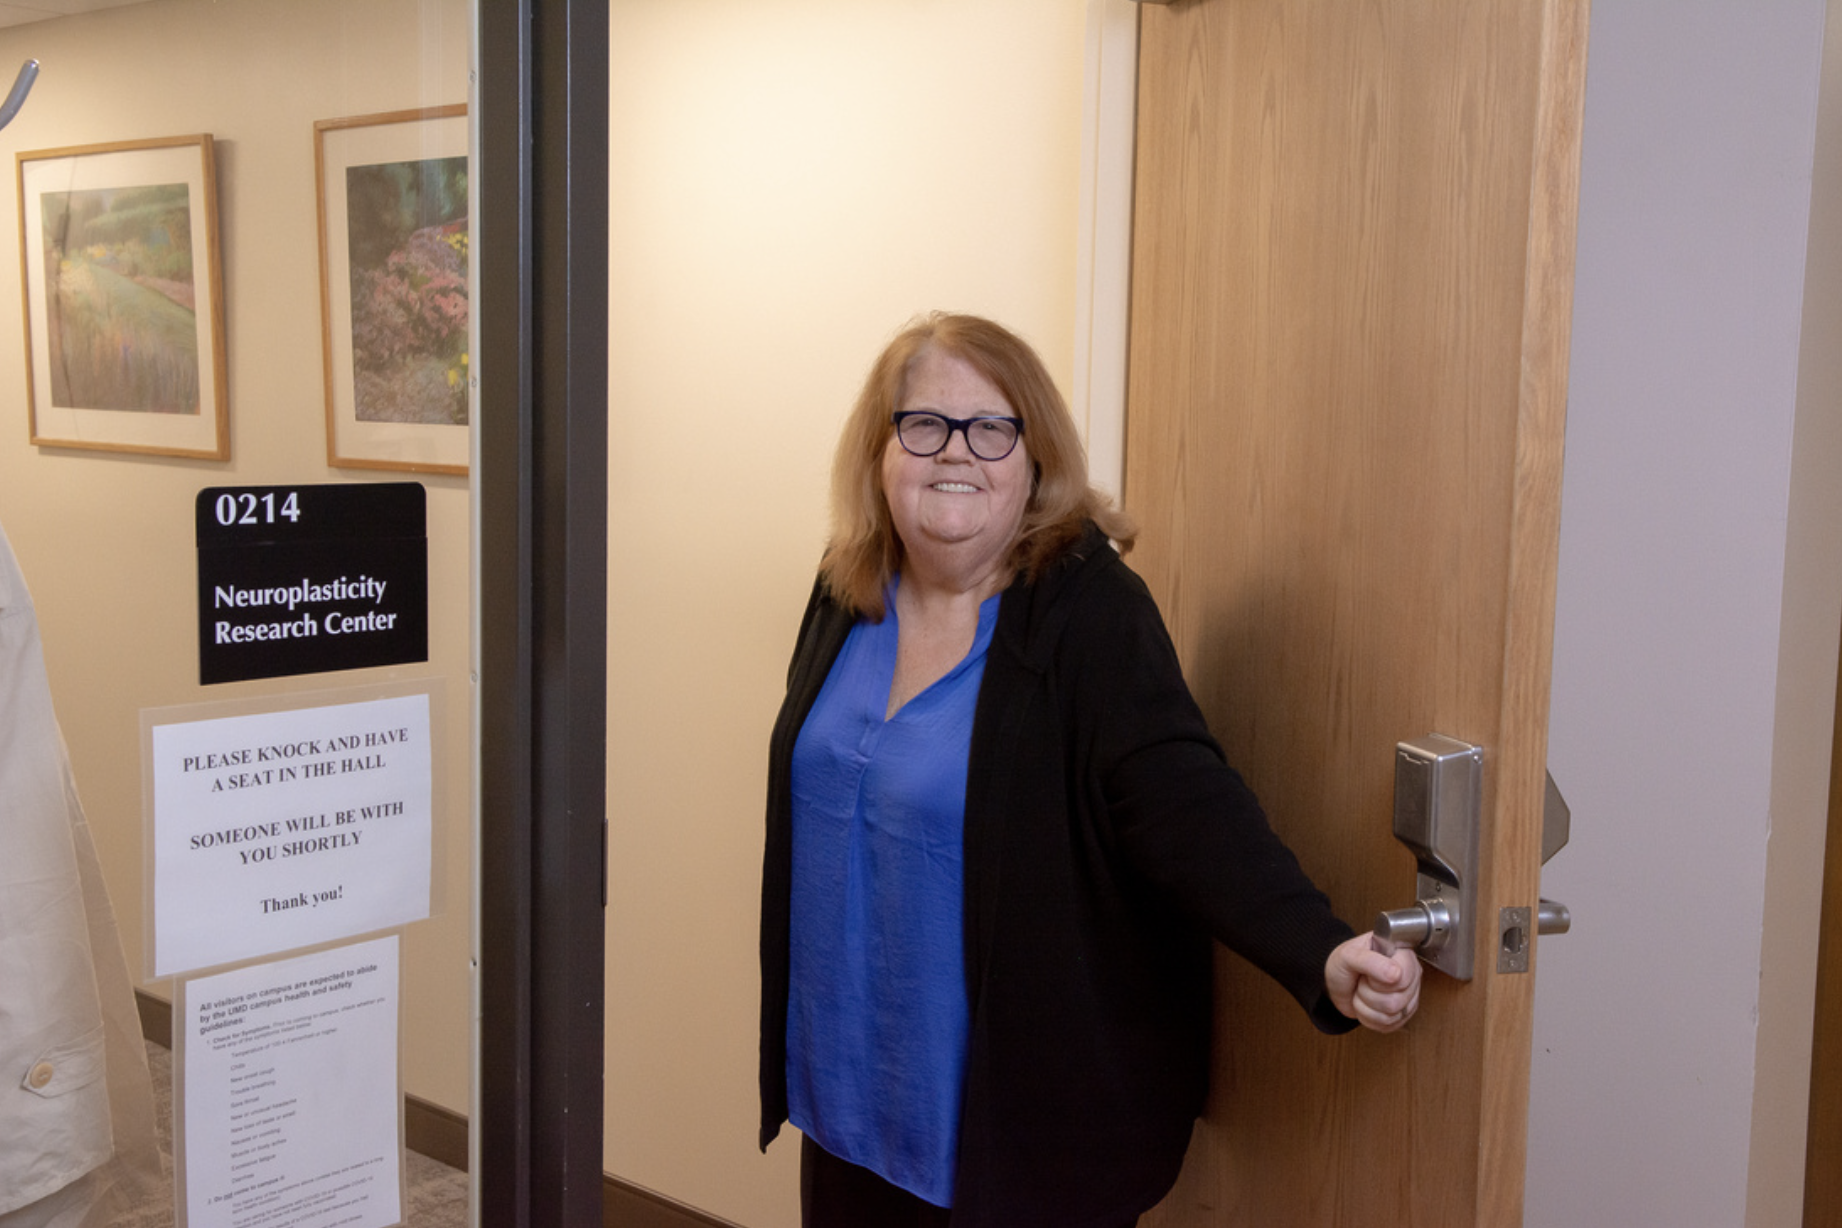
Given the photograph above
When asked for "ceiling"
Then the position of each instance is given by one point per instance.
(20, 12)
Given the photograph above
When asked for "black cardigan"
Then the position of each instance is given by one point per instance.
(1106, 841)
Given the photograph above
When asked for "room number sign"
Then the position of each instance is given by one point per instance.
(310, 579)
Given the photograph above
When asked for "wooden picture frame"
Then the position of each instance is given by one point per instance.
(394, 240)
(124, 301)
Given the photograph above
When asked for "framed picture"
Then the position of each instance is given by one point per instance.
(124, 302)
(393, 288)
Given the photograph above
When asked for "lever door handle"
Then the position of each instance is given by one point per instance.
(1427, 925)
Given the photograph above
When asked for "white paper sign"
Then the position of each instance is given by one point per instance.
(288, 829)
(289, 1098)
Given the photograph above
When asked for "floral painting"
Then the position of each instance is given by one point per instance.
(407, 233)
(395, 246)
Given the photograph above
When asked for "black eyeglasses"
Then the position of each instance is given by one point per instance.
(925, 433)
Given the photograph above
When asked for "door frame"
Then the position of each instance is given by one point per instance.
(541, 96)
(1103, 243)
(1823, 1142)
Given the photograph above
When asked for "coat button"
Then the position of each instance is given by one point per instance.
(39, 1076)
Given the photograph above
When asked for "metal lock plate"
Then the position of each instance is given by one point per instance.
(1438, 796)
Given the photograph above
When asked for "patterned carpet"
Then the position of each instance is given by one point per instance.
(434, 1194)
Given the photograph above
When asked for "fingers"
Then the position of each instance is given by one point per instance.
(1383, 1015)
(1380, 1020)
(1380, 989)
(1386, 1003)
(1389, 969)
(1386, 969)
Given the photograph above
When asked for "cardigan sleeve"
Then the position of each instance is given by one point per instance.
(1179, 816)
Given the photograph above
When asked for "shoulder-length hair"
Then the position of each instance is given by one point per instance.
(865, 552)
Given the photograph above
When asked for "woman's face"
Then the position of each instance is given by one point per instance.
(953, 508)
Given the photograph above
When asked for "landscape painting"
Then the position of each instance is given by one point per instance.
(121, 305)
(124, 319)
(395, 247)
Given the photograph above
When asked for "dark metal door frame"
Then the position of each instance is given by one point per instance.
(542, 247)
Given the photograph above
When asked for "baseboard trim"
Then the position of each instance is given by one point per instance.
(625, 1205)
(434, 1131)
(441, 1134)
(156, 1018)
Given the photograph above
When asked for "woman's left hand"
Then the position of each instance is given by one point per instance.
(1379, 991)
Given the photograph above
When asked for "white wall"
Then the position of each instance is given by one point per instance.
(1696, 632)
(791, 181)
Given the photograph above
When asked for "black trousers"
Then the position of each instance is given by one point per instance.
(835, 1193)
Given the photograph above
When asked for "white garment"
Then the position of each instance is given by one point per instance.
(77, 1138)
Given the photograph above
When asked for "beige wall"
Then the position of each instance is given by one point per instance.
(105, 539)
(791, 181)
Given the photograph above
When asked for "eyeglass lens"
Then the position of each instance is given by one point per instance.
(924, 434)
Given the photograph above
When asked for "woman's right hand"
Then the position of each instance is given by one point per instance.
(1378, 990)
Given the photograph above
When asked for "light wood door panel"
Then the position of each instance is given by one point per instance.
(1352, 279)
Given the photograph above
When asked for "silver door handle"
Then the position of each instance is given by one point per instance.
(1556, 830)
(1427, 926)
(1553, 918)
(1438, 795)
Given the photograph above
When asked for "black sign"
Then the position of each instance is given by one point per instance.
(306, 579)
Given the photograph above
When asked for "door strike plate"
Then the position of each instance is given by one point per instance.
(1513, 940)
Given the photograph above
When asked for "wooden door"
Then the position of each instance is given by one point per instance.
(1352, 278)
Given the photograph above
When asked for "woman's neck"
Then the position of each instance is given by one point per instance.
(941, 577)
(937, 624)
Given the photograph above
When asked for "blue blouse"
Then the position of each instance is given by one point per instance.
(878, 1015)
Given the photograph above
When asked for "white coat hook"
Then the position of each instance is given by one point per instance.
(22, 85)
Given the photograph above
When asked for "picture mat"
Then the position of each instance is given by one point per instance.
(353, 443)
(198, 434)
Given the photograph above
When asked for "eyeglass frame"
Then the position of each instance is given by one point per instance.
(961, 425)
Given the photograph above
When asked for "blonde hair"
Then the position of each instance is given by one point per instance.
(866, 553)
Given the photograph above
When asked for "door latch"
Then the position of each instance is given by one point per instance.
(1550, 917)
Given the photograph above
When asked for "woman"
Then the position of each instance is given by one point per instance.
(1000, 837)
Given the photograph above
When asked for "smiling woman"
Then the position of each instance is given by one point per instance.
(955, 512)
(957, 359)
(981, 682)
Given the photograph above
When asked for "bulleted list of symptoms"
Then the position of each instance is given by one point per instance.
(288, 1102)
